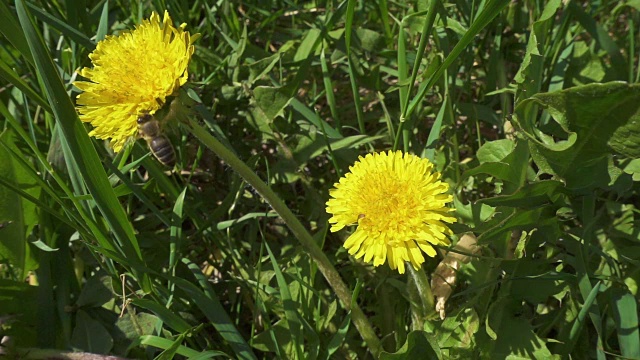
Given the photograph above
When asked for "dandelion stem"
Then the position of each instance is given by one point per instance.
(304, 237)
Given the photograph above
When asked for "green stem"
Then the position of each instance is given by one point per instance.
(298, 230)
(421, 296)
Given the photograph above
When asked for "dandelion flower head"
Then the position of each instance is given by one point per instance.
(399, 205)
(133, 72)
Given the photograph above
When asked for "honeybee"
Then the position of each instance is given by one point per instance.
(159, 144)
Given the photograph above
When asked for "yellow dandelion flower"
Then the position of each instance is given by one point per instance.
(133, 73)
(399, 205)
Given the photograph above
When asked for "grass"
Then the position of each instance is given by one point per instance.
(530, 110)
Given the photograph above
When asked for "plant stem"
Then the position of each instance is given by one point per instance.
(324, 265)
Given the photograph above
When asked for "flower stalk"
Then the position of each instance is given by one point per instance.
(299, 231)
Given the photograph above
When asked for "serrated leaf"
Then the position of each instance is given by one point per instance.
(598, 120)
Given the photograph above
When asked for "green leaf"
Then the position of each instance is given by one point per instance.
(315, 119)
(172, 320)
(529, 76)
(417, 346)
(90, 335)
(260, 68)
(135, 325)
(602, 38)
(290, 308)
(625, 315)
(269, 102)
(10, 28)
(171, 351)
(207, 301)
(594, 122)
(491, 9)
(11, 76)
(503, 159)
(308, 45)
(97, 291)
(513, 336)
(162, 343)
(457, 331)
(529, 196)
(62, 26)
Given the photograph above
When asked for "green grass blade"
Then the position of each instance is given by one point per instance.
(290, 309)
(602, 38)
(328, 88)
(429, 151)
(162, 343)
(424, 37)
(584, 311)
(209, 304)
(66, 29)
(13, 246)
(10, 28)
(9, 75)
(625, 315)
(314, 119)
(103, 25)
(491, 10)
(352, 73)
(82, 152)
(172, 320)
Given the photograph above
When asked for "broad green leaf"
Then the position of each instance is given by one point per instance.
(458, 330)
(269, 102)
(90, 335)
(17, 297)
(133, 325)
(513, 336)
(595, 121)
(19, 310)
(97, 291)
(503, 159)
(369, 40)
